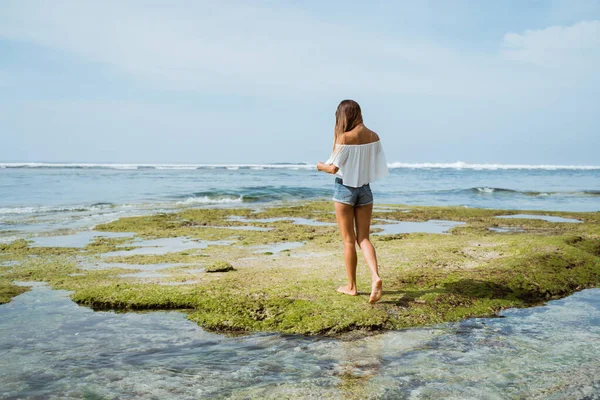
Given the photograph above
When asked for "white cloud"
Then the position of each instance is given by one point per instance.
(576, 46)
(229, 47)
(268, 49)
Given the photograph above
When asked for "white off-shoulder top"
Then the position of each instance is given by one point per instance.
(359, 164)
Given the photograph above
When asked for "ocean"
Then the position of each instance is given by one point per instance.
(42, 197)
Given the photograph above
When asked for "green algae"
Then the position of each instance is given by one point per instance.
(207, 224)
(8, 291)
(104, 245)
(182, 257)
(428, 278)
(219, 266)
(310, 306)
(22, 247)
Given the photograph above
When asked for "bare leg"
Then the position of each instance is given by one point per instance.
(362, 216)
(345, 218)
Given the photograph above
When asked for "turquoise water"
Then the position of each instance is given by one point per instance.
(68, 188)
(52, 348)
(35, 199)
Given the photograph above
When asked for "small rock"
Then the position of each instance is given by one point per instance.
(219, 266)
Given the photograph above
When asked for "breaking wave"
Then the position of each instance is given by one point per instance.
(157, 166)
(459, 165)
(492, 190)
(211, 200)
(48, 209)
(493, 167)
(253, 194)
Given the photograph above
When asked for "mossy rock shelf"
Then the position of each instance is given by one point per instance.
(428, 278)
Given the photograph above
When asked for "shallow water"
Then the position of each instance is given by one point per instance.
(294, 220)
(241, 228)
(548, 218)
(277, 247)
(153, 274)
(52, 348)
(10, 263)
(79, 239)
(144, 274)
(165, 245)
(506, 230)
(141, 267)
(390, 209)
(431, 226)
(52, 219)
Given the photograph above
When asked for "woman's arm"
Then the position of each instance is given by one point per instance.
(329, 168)
(335, 157)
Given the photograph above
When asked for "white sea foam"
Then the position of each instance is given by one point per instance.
(175, 167)
(9, 239)
(32, 210)
(463, 165)
(210, 200)
(155, 166)
(300, 166)
(49, 209)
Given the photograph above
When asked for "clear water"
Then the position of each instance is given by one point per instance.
(431, 226)
(164, 245)
(51, 348)
(505, 230)
(277, 247)
(144, 274)
(141, 267)
(79, 239)
(548, 218)
(243, 228)
(294, 220)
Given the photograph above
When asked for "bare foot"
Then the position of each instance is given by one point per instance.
(347, 290)
(376, 291)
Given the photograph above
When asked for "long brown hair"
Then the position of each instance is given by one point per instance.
(347, 117)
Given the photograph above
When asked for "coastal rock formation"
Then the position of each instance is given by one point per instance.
(467, 271)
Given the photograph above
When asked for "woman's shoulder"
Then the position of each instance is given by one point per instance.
(358, 137)
(373, 135)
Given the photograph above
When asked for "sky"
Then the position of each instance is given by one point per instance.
(182, 81)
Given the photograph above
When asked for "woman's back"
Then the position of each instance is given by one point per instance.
(359, 157)
(359, 135)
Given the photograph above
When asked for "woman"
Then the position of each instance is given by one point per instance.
(358, 159)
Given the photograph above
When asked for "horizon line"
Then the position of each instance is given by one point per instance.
(286, 165)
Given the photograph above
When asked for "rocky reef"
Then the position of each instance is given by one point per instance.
(278, 267)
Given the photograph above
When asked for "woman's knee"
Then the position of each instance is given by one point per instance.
(349, 241)
(360, 240)
(348, 238)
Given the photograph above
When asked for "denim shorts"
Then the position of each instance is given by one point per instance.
(350, 195)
